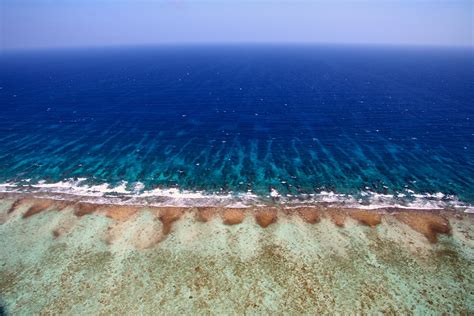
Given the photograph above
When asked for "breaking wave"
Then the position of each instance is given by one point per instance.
(125, 193)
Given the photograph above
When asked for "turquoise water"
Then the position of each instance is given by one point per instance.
(271, 121)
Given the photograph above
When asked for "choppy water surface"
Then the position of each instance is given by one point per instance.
(260, 120)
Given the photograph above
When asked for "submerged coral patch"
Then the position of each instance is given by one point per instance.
(40, 205)
(204, 214)
(120, 212)
(370, 218)
(338, 217)
(310, 215)
(37, 207)
(266, 216)
(81, 209)
(15, 205)
(428, 224)
(233, 216)
(168, 215)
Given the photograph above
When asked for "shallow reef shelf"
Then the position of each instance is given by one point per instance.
(67, 256)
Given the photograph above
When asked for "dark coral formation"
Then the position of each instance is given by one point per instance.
(15, 205)
(81, 209)
(309, 214)
(338, 217)
(266, 216)
(168, 215)
(120, 212)
(429, 224)
(366, 217)
(40, 205)
(37, 207)
(233, 216)
(370, 218)
(204, 214)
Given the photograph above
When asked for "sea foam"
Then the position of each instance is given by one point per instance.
(124, 193)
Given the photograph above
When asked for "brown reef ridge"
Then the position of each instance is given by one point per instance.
(309, 214)
(266, 216)
(233, 216)
(429, 223)
(205, 214)
(168, 215)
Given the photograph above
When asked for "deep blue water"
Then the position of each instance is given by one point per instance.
(298, 119)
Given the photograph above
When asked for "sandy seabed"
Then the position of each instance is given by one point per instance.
(83, 258)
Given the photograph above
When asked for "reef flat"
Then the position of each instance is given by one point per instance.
(66, 256)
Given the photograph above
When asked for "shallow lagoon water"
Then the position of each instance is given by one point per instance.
(293, 120)
(61, 262)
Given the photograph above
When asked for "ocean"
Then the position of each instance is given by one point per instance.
(363, 126)
(235, 179)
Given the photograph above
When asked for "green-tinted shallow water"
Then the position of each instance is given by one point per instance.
(98, 266)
